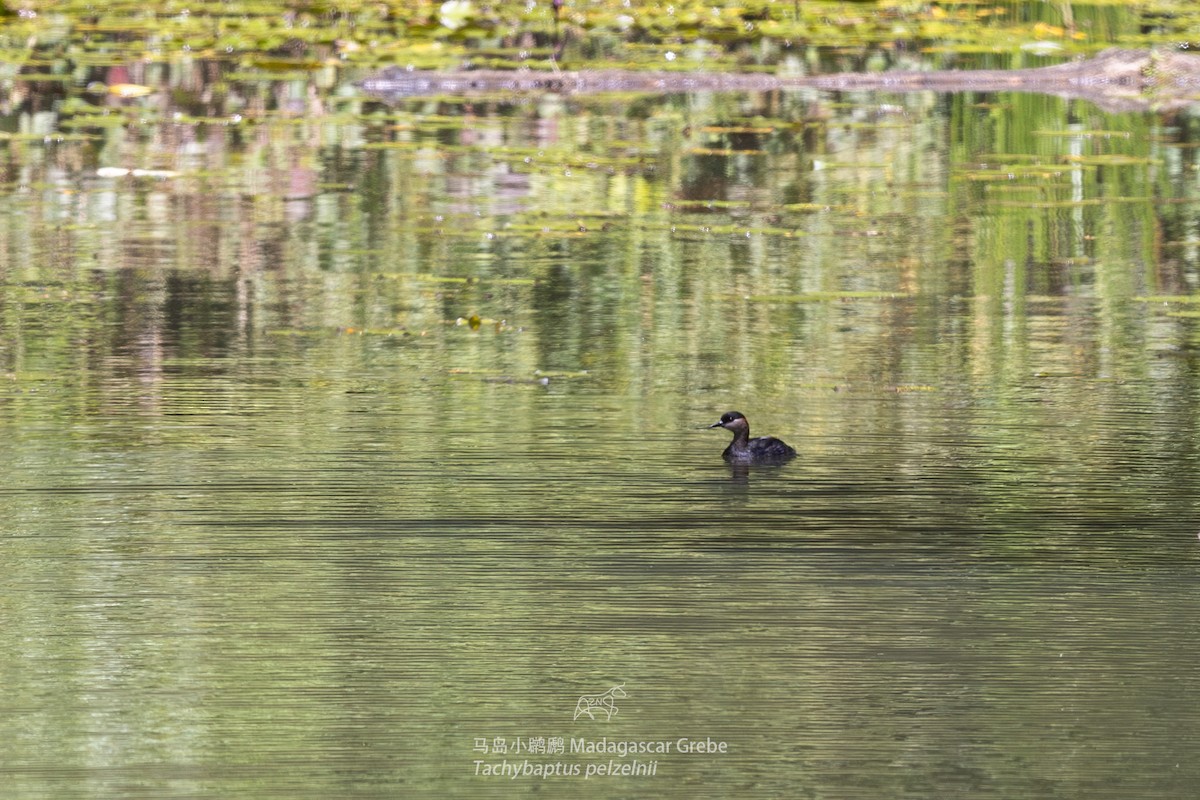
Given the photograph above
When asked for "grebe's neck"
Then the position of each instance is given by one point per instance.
(741, 436)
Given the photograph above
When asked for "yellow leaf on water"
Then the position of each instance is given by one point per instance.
(129, 90)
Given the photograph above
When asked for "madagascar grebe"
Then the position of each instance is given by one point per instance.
(744, 450)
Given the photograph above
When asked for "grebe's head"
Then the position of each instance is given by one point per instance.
(733, 420)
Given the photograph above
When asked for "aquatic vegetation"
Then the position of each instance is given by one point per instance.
(288, 36)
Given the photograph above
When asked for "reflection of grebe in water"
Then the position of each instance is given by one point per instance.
(744, 450)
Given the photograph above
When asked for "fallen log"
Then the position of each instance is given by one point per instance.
(1115, 80)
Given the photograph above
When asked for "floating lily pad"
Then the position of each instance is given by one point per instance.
(814, 207)
(47, 138)
(1049, 203)
(815, 297)
(1039, 172)
(706, 204)
(96, 121)
(1090, 134)
(1111, 159)
(1183, 299)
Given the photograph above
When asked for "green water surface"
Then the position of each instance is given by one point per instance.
(352, 444)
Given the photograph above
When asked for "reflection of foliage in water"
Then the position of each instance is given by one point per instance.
(635, 238)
